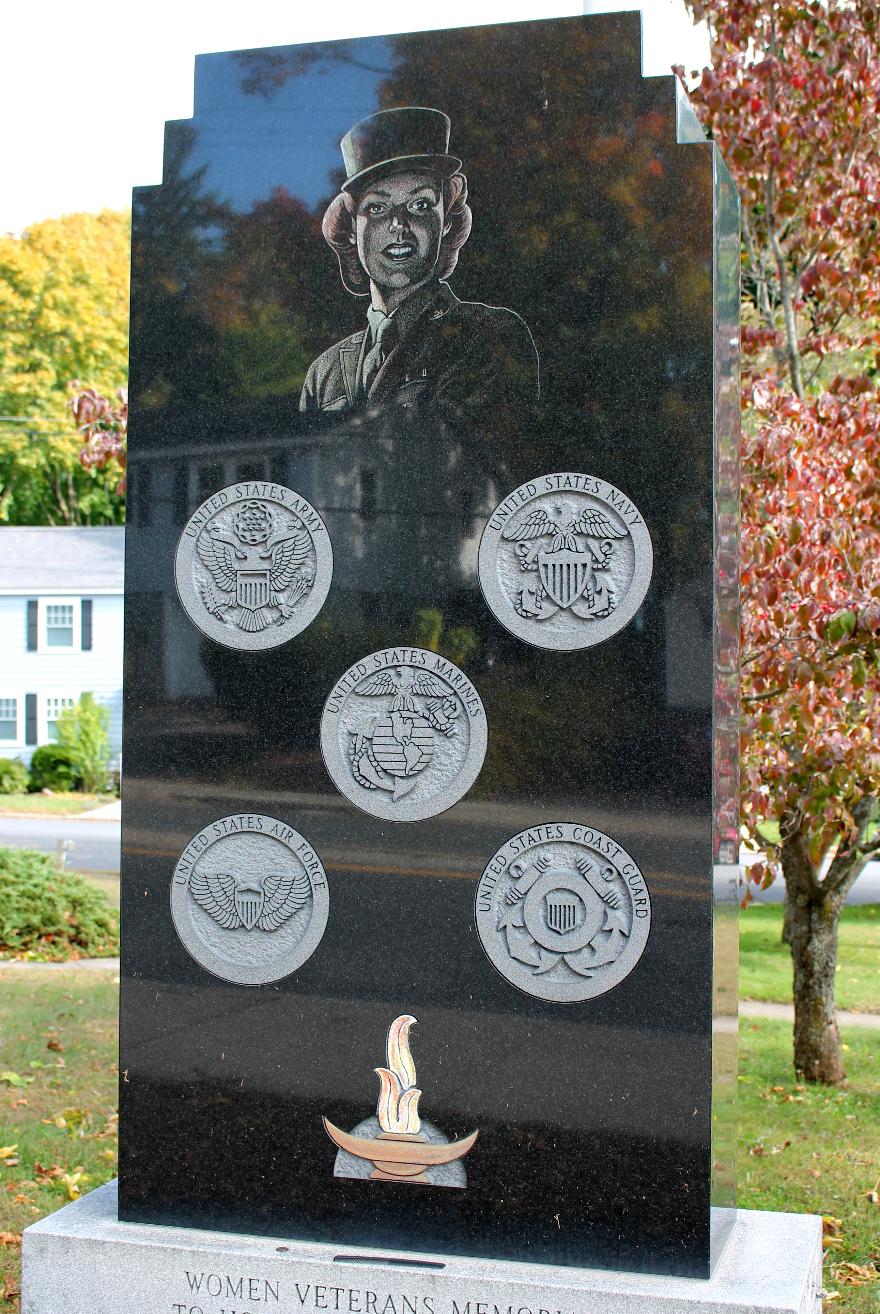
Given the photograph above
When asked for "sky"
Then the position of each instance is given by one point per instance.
(87, 87)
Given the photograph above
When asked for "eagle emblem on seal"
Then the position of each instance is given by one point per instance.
(264, 903)
(570, 569)
(259, 572)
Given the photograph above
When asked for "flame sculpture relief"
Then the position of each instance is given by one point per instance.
(398, 1145)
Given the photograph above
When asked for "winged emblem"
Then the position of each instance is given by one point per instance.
(266, 902)
(568, 567)
(591, 522)
(405, 685)
(258, 573)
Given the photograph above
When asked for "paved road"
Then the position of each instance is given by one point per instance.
(95, 843)
(96, 848)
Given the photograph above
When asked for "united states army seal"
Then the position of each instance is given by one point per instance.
(403, 734)
(563, 912)
(565, 561)
(253, 565)
(249, 899)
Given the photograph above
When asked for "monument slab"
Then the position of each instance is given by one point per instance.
(431, 560)
(82, 1260)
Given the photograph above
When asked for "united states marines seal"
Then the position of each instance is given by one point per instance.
(565, 561)
(249, 899)
(404, 734)
(253, 565)
(563, 912)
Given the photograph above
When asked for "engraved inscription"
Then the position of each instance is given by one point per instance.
(224, 1293)
(253, 565)
(404, 734)
(565, 561)
(249, 899)
(563, 912)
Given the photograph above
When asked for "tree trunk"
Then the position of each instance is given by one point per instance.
(786, 921)
(813, 919)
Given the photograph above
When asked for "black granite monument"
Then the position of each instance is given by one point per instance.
(429, 934)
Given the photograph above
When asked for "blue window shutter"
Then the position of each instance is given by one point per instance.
(30, 717)
(86, 624)
(32, 625)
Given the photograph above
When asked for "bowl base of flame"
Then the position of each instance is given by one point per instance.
(400, 1156)
(398, 1172)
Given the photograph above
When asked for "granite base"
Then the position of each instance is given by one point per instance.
(82, 1260)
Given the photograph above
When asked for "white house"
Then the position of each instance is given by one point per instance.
(60, 630)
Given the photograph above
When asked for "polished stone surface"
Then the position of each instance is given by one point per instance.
(593, 227)
(81, 1260)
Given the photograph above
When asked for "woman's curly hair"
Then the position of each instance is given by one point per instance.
(338, 229)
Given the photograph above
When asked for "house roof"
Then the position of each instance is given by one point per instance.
(62, 560)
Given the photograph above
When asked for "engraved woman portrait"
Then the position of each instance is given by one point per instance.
(397, 227)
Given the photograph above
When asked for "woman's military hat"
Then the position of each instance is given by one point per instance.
(413, 137)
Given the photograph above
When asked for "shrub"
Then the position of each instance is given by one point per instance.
(83, 731)
(53, 767)
(14, 778)
(50, 913)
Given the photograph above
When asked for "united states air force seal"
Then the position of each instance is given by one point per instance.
(565, 561)
(403, 734)
(563, 912)
(253, 565)
(249, 899)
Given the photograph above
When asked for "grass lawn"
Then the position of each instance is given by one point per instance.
(108, 881)
(51, 805)
(810, 1149)
(801, 1148)
(58, 1039)
(765, 962)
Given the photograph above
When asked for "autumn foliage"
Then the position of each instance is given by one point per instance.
(792, 99)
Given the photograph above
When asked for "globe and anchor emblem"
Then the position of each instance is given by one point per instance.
(403, 734)
(393, 750)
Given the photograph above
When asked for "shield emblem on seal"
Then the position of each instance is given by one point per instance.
(249, 904)
(562, 911)
(564, 574)
(252, 589)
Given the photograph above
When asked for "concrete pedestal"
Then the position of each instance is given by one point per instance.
(81, 1260)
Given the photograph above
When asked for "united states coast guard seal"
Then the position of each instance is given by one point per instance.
(249, 899)
(563, 912)
(403, 734)
(253, 565)
(565, 561)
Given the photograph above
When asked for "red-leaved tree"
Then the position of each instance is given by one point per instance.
(103, 425)
(792, 99)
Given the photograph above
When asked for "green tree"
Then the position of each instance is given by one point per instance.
(63, 317)
(83, 731)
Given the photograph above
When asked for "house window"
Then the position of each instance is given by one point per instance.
(8, 719)
(59, 625)
(54, 708)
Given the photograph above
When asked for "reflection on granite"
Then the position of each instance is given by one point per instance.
(592, 220)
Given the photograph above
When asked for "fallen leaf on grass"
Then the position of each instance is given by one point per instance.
(14, 1079)
(72, 1119)
(10, 1238)
(10, 1290)
(11, 1163)
(56, 1045)
(831, 1226)
(873, 1198)
(42, 1174)
(855, 1275)
(7, 1150)
(72, 1180)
